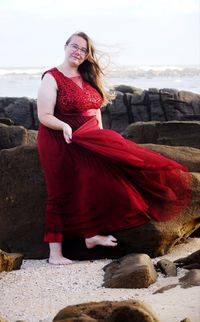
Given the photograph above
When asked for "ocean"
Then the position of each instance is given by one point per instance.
(18, 82)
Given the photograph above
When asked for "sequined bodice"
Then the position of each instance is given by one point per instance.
(73, 98)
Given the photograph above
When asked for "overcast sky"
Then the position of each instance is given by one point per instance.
(132, 32)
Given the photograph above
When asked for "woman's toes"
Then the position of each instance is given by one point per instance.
(60, 261)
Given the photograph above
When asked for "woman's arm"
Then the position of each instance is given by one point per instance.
(46, 103)
(99, 118)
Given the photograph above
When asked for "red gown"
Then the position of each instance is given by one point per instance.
(101, 182)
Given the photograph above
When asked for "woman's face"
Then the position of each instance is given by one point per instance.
(76, 51)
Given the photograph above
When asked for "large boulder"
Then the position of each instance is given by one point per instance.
(22, 201)
(22, 207)
(173, 133)
(12, 136)
(22, 111)
(129, 106)
(133, 105)
(112, 311)
(187, 156)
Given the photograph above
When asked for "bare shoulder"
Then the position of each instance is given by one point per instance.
(49, 81)
(48, 85)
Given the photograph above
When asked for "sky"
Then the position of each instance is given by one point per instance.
(128, 32)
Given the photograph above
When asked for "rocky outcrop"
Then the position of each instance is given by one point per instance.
(162, 105)
(174, 133)
(129, 106)
(111, 311)
(189, 157)
(12, 136)
(9, 262)
(22, 203)
(131, 271)
(22, 111)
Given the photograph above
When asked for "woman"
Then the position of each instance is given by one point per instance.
(97, 182)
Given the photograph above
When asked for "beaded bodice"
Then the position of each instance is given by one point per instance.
(74, 95)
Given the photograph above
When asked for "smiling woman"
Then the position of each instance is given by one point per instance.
(97, 182)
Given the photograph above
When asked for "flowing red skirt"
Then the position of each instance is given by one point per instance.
(101, 182)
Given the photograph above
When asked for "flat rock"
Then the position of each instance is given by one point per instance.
(192, 260)
(191, 278)
(172, 133)
(165, 288)
(131, 271)
(108, 311)
(180, 154)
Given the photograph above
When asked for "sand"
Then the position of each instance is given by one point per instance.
(37, 291)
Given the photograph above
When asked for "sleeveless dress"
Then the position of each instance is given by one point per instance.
(101, 182)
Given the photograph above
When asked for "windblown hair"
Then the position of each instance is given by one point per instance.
(90, 69)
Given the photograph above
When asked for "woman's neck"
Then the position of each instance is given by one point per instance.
(68, 70)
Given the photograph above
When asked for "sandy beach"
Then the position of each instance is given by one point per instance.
(37, 291)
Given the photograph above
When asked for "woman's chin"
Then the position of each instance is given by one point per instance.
(75, 62)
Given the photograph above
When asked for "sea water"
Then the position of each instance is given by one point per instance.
(19, 82)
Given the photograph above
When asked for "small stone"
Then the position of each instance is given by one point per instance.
(192, 278)
(165, 288)
(10, 261)
(167, 267)
(130, 271)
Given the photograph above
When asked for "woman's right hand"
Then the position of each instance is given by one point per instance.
(67, 132)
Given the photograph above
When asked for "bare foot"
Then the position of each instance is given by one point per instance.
(107, 241)
(59, 260)
(56, 257)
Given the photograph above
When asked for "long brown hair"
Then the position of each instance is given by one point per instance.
(90, 69)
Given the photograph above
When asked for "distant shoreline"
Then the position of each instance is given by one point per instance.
(24, 81)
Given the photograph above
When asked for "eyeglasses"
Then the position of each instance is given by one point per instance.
(82, 50)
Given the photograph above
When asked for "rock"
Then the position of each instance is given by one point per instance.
(130, 105)
(186, 320)
(165, 288)
(111, 311)
(7, 121)
(12, 136)
(172, 133)
(22, 111)
(189, 262)
(22, 211)
(167, 267)
(131, 271)
(2, 319)
(128, 89)
(150, 105)
(22, 202)
(191, 278)
(117, 117)
(10, 262)
(180, 154)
